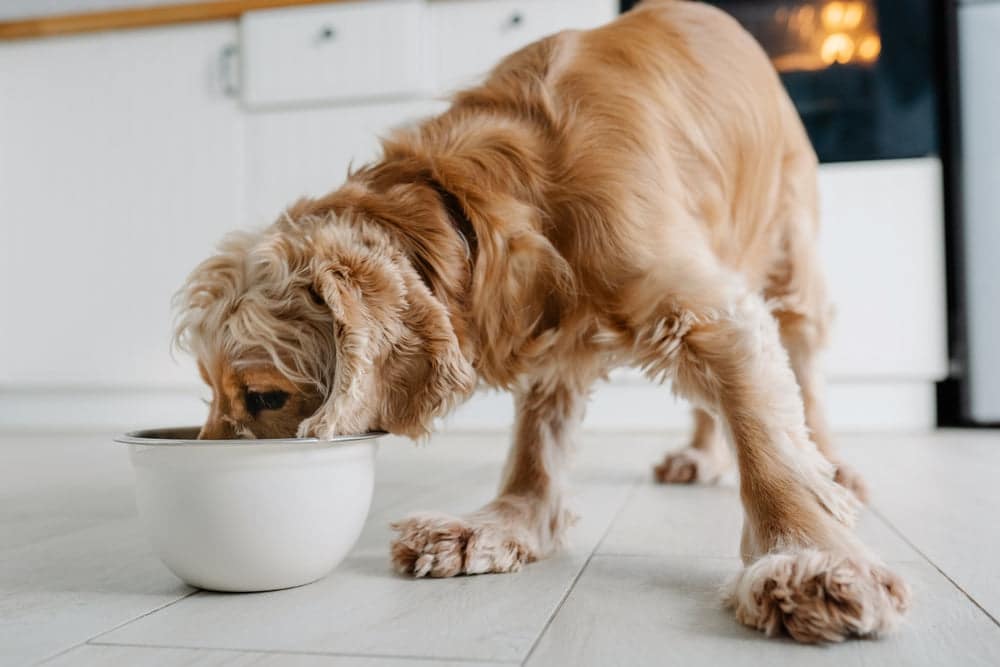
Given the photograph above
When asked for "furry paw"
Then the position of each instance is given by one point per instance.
(816, 596)
(316, 426)
(851, 479)
(689, 465)
(438, 545)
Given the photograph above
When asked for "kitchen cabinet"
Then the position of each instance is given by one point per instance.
(882, 243)
(125, 156)
(121, 163)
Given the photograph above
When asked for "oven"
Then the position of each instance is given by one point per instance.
(861, 73)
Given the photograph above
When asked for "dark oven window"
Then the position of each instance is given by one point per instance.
(861, 72)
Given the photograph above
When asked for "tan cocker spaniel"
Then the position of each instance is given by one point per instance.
(642, 194)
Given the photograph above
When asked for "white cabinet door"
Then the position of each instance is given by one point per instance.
(120, 166)
(306, 152)
(469, 37)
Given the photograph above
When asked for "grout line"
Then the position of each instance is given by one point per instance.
(193, 593)
(569, 590)
(666, 556)
(944, 574)
(387, 656)
(679, 556)
(120, 625)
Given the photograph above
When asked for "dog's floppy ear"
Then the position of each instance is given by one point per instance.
(398, 360)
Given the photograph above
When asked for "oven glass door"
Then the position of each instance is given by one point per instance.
(860, 72)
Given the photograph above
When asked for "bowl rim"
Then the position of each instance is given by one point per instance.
(150, 437)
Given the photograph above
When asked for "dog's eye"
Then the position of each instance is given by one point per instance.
(265, 400)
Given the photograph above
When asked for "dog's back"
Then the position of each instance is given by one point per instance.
(668, 123)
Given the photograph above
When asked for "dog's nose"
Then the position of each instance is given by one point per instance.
(216, 430)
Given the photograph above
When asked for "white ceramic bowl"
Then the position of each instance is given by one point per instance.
(251, 515)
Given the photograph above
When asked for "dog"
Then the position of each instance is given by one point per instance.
(640, 194)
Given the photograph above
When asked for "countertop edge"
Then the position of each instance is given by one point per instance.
(138, 17)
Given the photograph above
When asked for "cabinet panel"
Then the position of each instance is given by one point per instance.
(306, 152)
(469, 37)
(336, 52)
(883, 245)
(121, 166)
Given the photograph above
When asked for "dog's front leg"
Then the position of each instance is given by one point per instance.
(806, 572)
(526, 521)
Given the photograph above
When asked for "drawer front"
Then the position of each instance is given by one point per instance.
(307, 152)
(469, 37)
(343, 51)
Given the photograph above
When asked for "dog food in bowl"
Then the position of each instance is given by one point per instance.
(251, 515)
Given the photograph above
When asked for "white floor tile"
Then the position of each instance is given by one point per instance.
(363, 608)
(73, 562)
(694, 520)
(75, 565)
(942, 491)
(634, 611)
(55, 485)
(60, 592)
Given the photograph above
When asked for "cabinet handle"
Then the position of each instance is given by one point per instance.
(229, 72)
(327, 33)
(516, 19)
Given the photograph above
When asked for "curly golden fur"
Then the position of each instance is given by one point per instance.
(641, 194)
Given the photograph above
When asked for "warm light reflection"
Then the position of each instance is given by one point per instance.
(869, 48)
(853, 13)
(832, 15)
(837, 48)
(820, 34)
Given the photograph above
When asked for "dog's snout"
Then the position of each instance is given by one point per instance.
(217, 430)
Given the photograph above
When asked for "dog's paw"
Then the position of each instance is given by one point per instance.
(851, 479)
(816, 596)
(689, 465)
(315, 426)
(322, 426)
(438, 545)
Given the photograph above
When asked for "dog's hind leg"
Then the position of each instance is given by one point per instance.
(802, 336)
(704, 460)
(796, 290)
(803, 316)
(527, 520)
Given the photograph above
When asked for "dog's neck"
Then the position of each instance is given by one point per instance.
(424, 217)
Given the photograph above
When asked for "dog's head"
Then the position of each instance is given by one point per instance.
(319, 326)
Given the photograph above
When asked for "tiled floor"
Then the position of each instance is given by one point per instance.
(638, 586)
